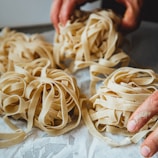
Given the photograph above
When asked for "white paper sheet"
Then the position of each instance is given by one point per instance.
(143, 48)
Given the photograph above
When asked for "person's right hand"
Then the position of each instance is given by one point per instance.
(61, 10)
(131, 18)
(140, 117)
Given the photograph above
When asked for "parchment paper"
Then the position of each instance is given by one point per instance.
(142, 46)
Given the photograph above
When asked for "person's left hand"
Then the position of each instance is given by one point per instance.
(141, 116)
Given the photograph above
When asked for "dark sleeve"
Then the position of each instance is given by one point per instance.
(149, 10)
(115, 6)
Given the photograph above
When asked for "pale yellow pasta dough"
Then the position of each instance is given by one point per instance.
(32, 89)
(46, 98)
(91, 39)
(17, 47)
(121, 93)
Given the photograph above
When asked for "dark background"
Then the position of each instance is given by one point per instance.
(149, 10)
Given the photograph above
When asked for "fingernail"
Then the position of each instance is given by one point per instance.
(131, 125)
(145, 151)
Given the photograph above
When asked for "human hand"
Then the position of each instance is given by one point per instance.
(140, 117)
(61, 11)
(131, 18)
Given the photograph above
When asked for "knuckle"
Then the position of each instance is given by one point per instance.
(152, 142)
(153, 99)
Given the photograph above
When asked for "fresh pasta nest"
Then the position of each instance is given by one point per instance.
(17, 47)
(32, 89)
(54, 93)
(91, 39)
(50, 100)
(119, 96)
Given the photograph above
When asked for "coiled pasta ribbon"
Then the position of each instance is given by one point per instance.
(32, 89)
(91, 39)
(49, 100)
(121, 93)
(17, 47)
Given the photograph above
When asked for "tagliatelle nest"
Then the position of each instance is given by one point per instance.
(122, 93)
(17, 47)
(49, 100)
(91, 39)
(32, 89)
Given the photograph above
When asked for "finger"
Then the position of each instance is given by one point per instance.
(131, 18)
(150, 145)
(54, 13)
(66, 10)
(147, 110)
